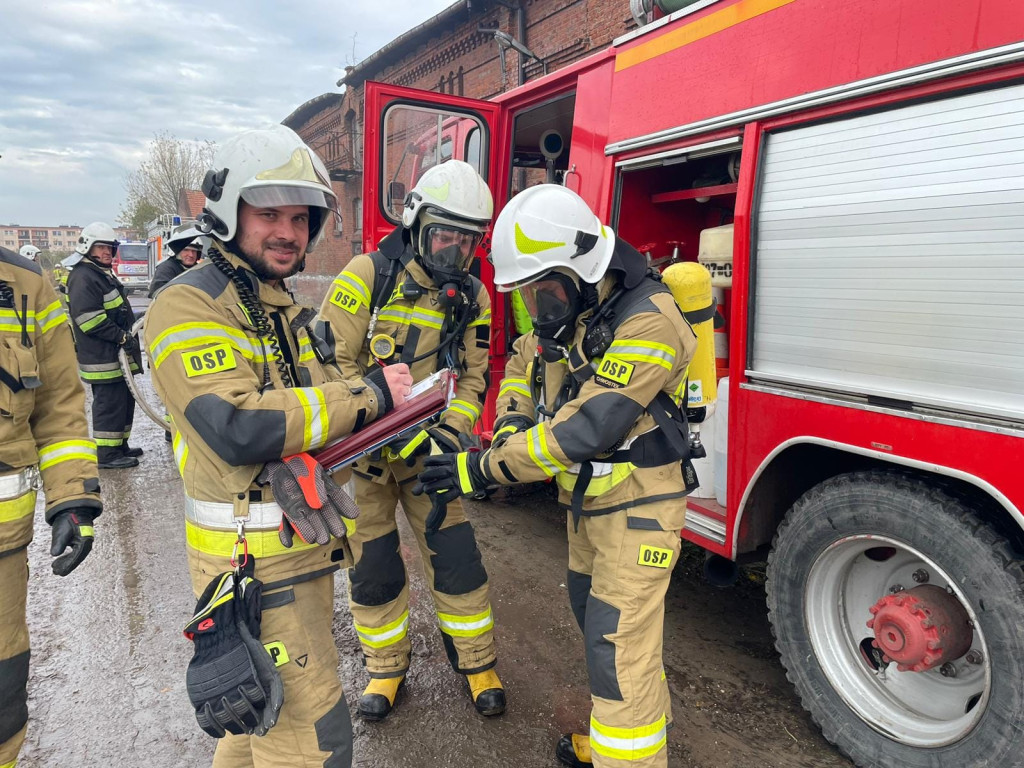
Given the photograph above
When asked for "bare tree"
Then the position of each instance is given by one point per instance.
(172, 165)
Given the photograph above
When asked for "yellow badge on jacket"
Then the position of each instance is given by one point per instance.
(655, 557)
(347, 301)
(210, 360)
(278, 653)
(614, 372)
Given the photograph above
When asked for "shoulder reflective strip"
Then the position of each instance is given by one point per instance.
(355, 284)
(51, 317)
(466, 408)
(90, 320)
(305, 351)
(180, 452)
(413, 315)
(16, 509)
(222, 543)
(644, 352)
(537, 445)
(381, 637)
(466, 626)
(9, 320)
(99, 376)
(66, 450)
(315, 407)
(189, 335)
(627, 743)
(508, 386)
(484, 319)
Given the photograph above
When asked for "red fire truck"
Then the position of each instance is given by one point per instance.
(863, 162)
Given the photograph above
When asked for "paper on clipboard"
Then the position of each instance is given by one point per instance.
(426, 399)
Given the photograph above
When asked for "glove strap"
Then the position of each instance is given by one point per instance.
(415, 442)
(464, 477)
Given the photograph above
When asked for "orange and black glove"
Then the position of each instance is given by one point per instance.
(315, 507)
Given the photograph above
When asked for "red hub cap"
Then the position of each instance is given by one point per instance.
(921, 628)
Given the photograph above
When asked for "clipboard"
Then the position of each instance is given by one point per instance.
(427, 398)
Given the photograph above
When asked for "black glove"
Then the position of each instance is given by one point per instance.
(231, 680)
(509, 426)
(313, 503)
(414, 444)
(71, 528)
(446, 477)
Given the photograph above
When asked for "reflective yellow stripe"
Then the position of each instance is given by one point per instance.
(413, 443)
(16, 509)
(467, 409)
(51, 317)
(315, 408)
(465, 481)
(537, 445)
(67, 450)
(190, 335)
(427, 318)
(86, 530)
(305, 351)
(354, 284)
(597, 485)
(514, 385)
(222, 543)
(10, 765)
(484, 319)
(381, 637)
(466, 626)
(180, 452)
(638, 350)
(627, 743)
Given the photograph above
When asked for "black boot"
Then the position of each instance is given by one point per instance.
(573, 749)
(133, 452)
(114, 459)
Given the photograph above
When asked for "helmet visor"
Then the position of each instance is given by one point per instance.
(449, 249)
(272, 196)
(550, 300)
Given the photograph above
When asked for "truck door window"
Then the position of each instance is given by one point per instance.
(417, 138)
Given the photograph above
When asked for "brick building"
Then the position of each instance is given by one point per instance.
(453, 52)
(56, 239)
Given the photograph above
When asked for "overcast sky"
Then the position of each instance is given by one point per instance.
(85, 84)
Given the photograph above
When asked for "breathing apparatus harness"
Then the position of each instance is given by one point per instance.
(669, 441)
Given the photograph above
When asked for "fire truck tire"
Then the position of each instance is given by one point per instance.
(858, 540)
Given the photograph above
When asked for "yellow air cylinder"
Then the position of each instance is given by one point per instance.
(520, 314)
(690, 284)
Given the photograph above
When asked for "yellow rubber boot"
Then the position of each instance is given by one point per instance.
(574, 750)
(487, 692)
(378, 699)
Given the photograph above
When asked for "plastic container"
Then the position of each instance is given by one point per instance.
(705, 467)
(715, 253)
(721, 440)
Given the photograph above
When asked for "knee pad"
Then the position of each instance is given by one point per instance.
(334, 735)
(13, 695)
(602, 620)
(458, 566)
(579, 591)
(379, 576)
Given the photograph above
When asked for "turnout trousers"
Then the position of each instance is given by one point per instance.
(619, 570)
(15, 533)
(113, 410)
(314, 729)
(453, 569)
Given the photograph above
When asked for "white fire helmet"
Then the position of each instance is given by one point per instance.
(546, 227)
(29, 251)
(97, 232)
(187, 235)
(267, 167)
(449, 196)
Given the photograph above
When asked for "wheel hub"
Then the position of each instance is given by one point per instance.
(921, 628)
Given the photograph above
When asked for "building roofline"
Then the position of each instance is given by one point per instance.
(397, 48)
(302, 113)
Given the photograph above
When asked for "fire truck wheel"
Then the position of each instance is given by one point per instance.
(937, 678)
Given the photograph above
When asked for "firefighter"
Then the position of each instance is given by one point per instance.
(413, 301)
(44, 437)
(592, 398)
(102, 320)
(30, 252)
(186, 245)
(250, 389)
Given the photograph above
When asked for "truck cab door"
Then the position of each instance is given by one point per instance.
(406, 132)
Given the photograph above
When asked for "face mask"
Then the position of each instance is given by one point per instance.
(553, 302)
(447, 252)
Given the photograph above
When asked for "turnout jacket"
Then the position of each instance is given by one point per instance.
(166, 270)
(100, 316)
(651, 349)
(415, 325)
(209, 366)
(42, 404)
